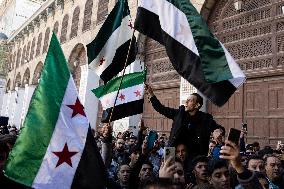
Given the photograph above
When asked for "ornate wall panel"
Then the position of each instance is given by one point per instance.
(255, 38)
(165, 81)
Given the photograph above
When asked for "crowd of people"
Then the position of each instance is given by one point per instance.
(131, 164)
(202, 157)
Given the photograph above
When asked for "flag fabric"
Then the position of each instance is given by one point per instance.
(107, 53)
(193, 50)
(56, 148)
(130, 98)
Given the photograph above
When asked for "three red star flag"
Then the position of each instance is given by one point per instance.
(107, 53)
(56, 148)
(194, 51)
(130, 96)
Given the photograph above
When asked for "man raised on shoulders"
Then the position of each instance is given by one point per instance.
(190, 126)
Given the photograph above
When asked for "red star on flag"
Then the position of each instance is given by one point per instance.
(130, 24)
(77, 108)
(122, 97)
(138, 93)
(102, 60)
(64, 156)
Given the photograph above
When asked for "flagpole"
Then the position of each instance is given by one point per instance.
(123, 73)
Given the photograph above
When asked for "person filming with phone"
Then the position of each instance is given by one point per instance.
(190, 127)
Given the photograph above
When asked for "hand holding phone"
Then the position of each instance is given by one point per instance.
(169, 152)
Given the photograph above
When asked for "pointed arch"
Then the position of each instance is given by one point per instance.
(23, 56)
(88, 15)
(18, 57)
(26, 77)
(28, 51)
(102, 11)
(38, 47)
(55, 28)
(64, 29)
(77, 58)
(32, 49)
(75, 22)
(37, 73)
(46, 40)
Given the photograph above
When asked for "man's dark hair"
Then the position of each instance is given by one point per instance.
(199, 159)
(214, 164)
(222, 129)
(148, 163)
(254, 157)
(255, 144)
(199, 99)
(266, 156)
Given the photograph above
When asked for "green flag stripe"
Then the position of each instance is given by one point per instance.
(112, 22)
(129, 80)
(23, 165)
(211, 53)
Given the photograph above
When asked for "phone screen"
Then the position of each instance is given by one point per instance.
(234, 135)
(152, 137)
(245, 126)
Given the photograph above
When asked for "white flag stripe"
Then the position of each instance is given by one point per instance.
(121, 35)
(238, 75)
(129, 95)
(171, 16)
(72, 131)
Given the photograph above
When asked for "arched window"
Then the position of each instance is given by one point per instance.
(23, 55)
(32, 49)
(37, 73)
(64, 29)
(88, 15)
(102, 11)
(14, 60)
(18, 58)
(38, 47)
(75, 23)
(55, 28)
(28, 51)
(46, 40)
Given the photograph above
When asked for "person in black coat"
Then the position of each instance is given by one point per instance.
(190, 126)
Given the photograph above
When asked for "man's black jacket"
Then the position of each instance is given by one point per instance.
(193, 131)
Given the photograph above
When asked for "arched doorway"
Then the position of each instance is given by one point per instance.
(255, 38)
(26, 78)
(37, 73)
(77, 59)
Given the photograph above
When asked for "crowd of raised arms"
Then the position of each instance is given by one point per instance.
(197, 154)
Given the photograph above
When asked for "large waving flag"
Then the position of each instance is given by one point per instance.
(56, 148)
(193, 50)
(107, 53)
(130, 98)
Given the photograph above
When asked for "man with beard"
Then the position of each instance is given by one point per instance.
(190, 126)
(273, 170)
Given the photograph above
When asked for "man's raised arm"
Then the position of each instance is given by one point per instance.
(166, 111)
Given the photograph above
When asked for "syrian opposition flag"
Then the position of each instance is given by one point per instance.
(56, 148)
(193, 50)
(107, 53)
(130, 98)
